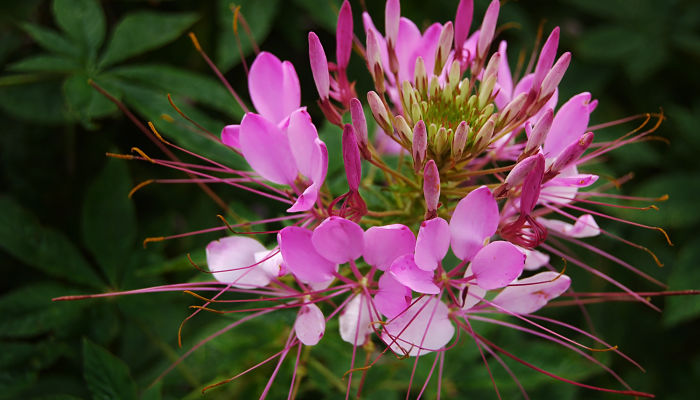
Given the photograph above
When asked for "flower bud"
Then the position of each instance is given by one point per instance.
(392, 14)
(513, 109)
(379, 111)
(539, 131)
(351, 158)
(485, 91)
(519, 172)
(444, 46)
(343, 36)
(488, 28)
(572, 152)
(492, 66)
(421, 76)
(420, 145)
(319, 66)
(403, 129)
(360, 124)
(460, 140)
(442, 140)
(547, 55)
(374, 62)
(485, 133)
(554, 76)
(431, 188)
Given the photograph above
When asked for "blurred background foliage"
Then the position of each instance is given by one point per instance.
(67, 226)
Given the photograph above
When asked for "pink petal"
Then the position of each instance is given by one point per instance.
(488, 28)
(474, 296)
(343, 36)
(267, 150)
(229, 136)
(423, 328)
(532, 293)
(392, 297)
(475, 218)
(383, 244)
(318, 174)
(301, 257)
(302, 134)
(432, 244)
(271, 262)
(319, 66)
(570, 122)
(426, 48)
(431, 182)
(408, 39)
(274, 87)
(534, 259)
(234, 256)
(585, 226)
(504, 78)
(546, 59)
(391, 20)
(463, 21)
(405, 270)
(351, 157)
(355, 322)
(497, 264)
(338, 240)
(310, 324)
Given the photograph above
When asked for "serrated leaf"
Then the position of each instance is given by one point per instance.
(82, 20)
(177, 81)
(684, 275)
(43, 248)
(50, 40)
(45, 63)
(107, 376)
(258, 14)
(109, 220)
(140, 32)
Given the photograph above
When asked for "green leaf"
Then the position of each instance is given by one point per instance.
(684, 275)
(51, 40)
(107, 376)
(258, 14)
(143, 31)
(177, 81)
(82, 20)
(36, 103)
(45, 63)
(48, 250)
(84, 102)
(109, 220)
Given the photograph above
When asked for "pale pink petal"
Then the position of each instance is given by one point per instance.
(497, 264)
(405, 270)
(338, 239)
(267, 150)
(474, 296)
(432, 244)
(301, 257)
(392, 297)
(578, 180)
(319, 66)
(234, 256)
(532, 293)
(475, 218)
(391, 20)
(534, 259)
(229, 136)
(271, 262)
(423, 328)
(570, 122)
(585, 226)
(310, 324)
(355, 321)
(274, 87)
(383, 244)
(302, 134)
(504, 79)
(560, 194)
(318, 174)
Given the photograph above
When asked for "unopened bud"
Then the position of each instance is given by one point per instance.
(485, 91)
(453, 76)
(392, 14)
(379, 111)
(343, 36)
(539, 131)
(421, 76)
(485, 133)
(492, 67)
(532, 183)
(374, 61)
(403, 129)
(554, 76)
(319, 66)
(546, 59)
(517, 175)
(460, 140)
(420, 145)
(416, 113)
(431, 188)
(511, 111)
(359, 122)
(488, 28)
(351, 158)
(571, 153)
(444, 46)
(442, 140)
(434, 87)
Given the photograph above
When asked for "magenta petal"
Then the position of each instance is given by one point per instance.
(301, 134)
(570, 122)
(475, 218)
(463, 21)
(355, 322)
(405, 270)
(267, 150)
(234, 256)
(392, 297)
(408, 39)
(532, 293)
(338, 240)
(423, 328)
(383, 244)
(497, 264)
(432, 244)
(318, 174)
(531, 185)
(301, 258)
(310, 324)
(274, 87)
(229, 136)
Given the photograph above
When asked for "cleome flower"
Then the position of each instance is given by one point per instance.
(483, 193)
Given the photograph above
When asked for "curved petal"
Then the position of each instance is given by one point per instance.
(392, 297)
(475, 218)
(505, 79)
(267, 150)
(474, 296)
(229, 136)
(570, 122)
(532, 293)
(355, 321)
(234, 257)
(310, 324)
(423, 328)
(301, 257)
(585, 226)
(432, 244)
(318, 174)
(271, 262)
(302, 135)
(338, 239)
(383, 244)
(497, 264)
(406, 272)
(407, 40)
(534, 259)
(274, 87)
